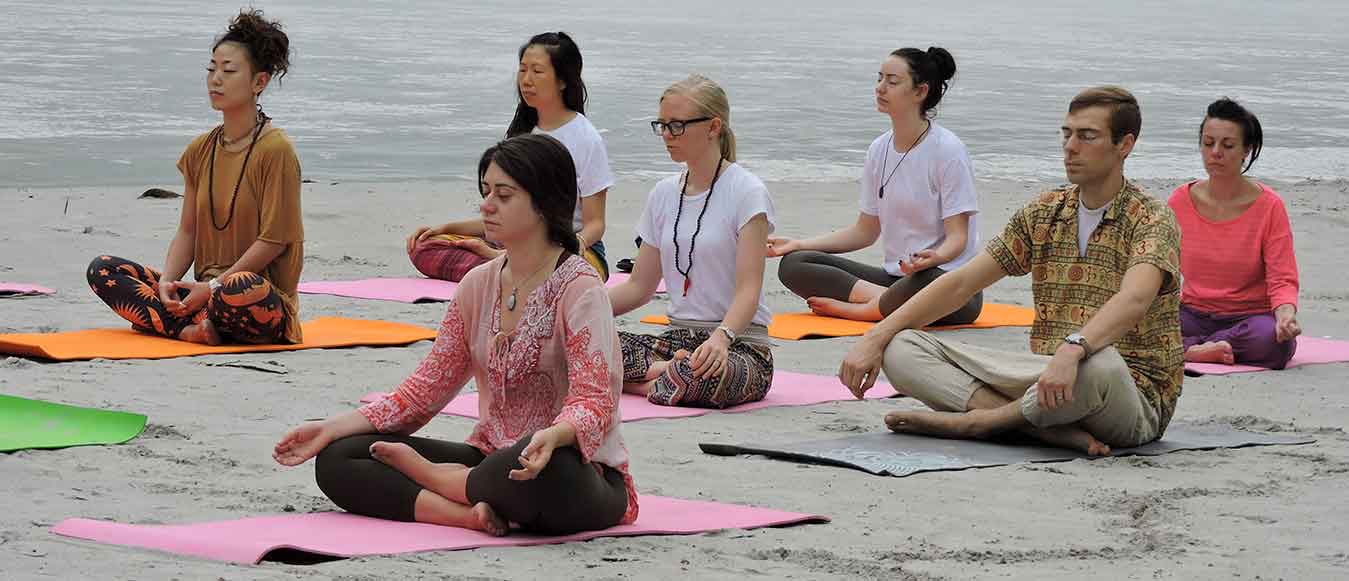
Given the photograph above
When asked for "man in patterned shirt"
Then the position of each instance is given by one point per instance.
(1106, 362)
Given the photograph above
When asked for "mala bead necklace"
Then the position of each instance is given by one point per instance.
(881, 192)
(210, 184)
(688, 282)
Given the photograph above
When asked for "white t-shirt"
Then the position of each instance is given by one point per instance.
(1087, 221)
(934, 183)
(587, 151)
(738, 197)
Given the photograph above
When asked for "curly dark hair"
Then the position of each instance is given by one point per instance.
(267, 45)
(544, 168)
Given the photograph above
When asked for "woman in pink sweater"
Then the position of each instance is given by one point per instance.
(1239, 298)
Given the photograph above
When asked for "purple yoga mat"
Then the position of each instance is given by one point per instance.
(1310, 350)
(789, 389)
(404, 290)
(341, 534)
(18, 289)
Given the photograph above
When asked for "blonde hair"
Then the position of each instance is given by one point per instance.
(711, 101)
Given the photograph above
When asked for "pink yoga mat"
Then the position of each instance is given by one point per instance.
(404, 290)
(346, 535)
(1310, 350)
(789, 389)
(18, 289)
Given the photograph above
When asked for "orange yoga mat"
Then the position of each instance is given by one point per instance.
(321, 333)
(795, 326)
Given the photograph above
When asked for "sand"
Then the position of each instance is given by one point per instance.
(1277, 512)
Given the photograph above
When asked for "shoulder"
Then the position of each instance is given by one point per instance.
(743, 179)
(1181, 194)
(576, 278)
(664, 188)
(200, 142)
(1050, 200)
(579, 131)
(946, 140)
(275, 143)
(878, 145)
(480, 279)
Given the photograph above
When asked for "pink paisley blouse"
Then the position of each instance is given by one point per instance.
(561, 363)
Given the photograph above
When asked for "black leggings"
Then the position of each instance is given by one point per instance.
(809, 273)
(568, 496)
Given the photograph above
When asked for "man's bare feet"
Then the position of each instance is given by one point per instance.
(954, 425)
(488, 522)
(977, 424)
(203, 332)
(1070, 437)
(1211, 352)
(827, 307)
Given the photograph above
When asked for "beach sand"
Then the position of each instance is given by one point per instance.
(1264, 513)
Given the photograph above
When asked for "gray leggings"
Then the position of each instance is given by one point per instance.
(567, 496)
(809, 273)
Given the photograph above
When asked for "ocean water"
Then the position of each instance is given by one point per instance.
(109, 93)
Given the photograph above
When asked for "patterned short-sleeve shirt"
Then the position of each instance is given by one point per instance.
(1068, 289)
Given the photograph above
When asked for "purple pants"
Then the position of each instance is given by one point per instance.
(1252, 337)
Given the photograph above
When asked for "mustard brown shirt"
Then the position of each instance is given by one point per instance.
(267, 208)
(1068, 289)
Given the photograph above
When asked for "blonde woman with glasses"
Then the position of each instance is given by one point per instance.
(703, 232)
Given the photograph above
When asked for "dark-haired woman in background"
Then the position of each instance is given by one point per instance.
(240, 228)
(552, 100)
(534, 330)
(1239, 298)
(917, 197)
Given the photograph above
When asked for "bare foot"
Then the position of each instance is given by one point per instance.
(487, 521)
(828, 307)
(446, 479)
(960, 426)
(1070, 437)
(203, 332)
(1211, 352)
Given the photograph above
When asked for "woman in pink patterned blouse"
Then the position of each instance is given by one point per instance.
(534, 329)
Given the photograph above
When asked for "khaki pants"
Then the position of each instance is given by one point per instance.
(944, 374)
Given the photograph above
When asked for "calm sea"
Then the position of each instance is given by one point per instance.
(104, 92)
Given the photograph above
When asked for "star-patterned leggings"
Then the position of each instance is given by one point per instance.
(245, 309)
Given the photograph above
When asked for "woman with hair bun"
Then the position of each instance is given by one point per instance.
(1239, 297)
(552, 99)
(240, 229)
(917, 197)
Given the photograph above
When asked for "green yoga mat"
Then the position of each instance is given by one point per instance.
(29, 423)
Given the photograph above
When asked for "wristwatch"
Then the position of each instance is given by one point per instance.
(729, 333)
(1080, 341)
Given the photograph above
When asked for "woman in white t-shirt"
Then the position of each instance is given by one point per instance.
(552, 100)
(917, 197)
(703, 232)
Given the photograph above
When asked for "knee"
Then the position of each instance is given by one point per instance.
(790, 265)
(102, 266)
(330, 466)
(901, 361)
(1103, 369)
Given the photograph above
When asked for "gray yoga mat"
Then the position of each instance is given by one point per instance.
(890, 454)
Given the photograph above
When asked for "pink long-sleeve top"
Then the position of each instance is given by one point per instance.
(561, 363)
(1237, 267)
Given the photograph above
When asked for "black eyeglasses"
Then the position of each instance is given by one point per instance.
(675, 126)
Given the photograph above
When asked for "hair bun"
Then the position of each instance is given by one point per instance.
(946, 64)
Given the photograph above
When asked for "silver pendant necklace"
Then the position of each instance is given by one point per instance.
(513, 299)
